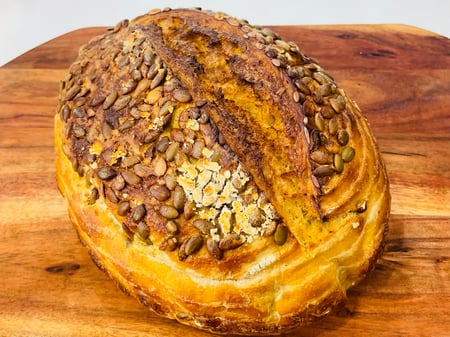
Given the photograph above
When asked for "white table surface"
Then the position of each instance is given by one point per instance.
(25, 24)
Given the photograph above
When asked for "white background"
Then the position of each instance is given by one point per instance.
(25, 24)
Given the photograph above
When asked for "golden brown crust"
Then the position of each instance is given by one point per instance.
(194, 149)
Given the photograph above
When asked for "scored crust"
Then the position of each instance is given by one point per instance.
(217, 174)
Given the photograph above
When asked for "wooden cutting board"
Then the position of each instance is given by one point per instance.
(400, 77)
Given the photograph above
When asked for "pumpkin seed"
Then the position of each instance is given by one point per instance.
(96, 100)
(280, 235)
(213, 248)
(143, 231)
(172, 150)
(257, 218)
(172, 227)
(111, 195)
(159, 166)
(128, 86)
(150, 152)
(193, 245)
(142, 170)
(189, 210)
(72, 92)
(131, 178)
(79, 101)
(106, 130)
(163, 144)
(348, 153)
(138, 61)
(159, 77)
(321, 77)
(342, 137)
(302, 87)
(166, 108)
(197, 148)
(327, 112)
(118, 183)
(230, 241)
(78, 131)
(326, 89)
(204, 117)
(179, 198)
(130, 161)
(93, 196)
(149, 57)
(331, 146)
(170, 181)
(126, 228)
(315, 141)
(121, 102)
(323, 171)
(180, 158)
(319, 121)
(106, 173)
(79, 112)
(203, 225)
(109, 100)
(151, 136)
(321, 157)
(338, 104)
(178, 135)
(153, 70)
(309, 108)
(136, 75)
(142, 86)
(65, 113)
(139, 213)
(332, 126)
(160, 192)
(169, 212)
(123, 208)
(338, 163)
(182, 95)
(283, 44)
(123, 61)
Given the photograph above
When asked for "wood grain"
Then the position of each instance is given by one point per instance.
(400, 77)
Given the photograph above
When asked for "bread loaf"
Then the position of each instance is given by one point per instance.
(218, 174)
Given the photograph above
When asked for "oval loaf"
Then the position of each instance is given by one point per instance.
(218, 174)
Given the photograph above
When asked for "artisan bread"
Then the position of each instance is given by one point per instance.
(217, 173)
